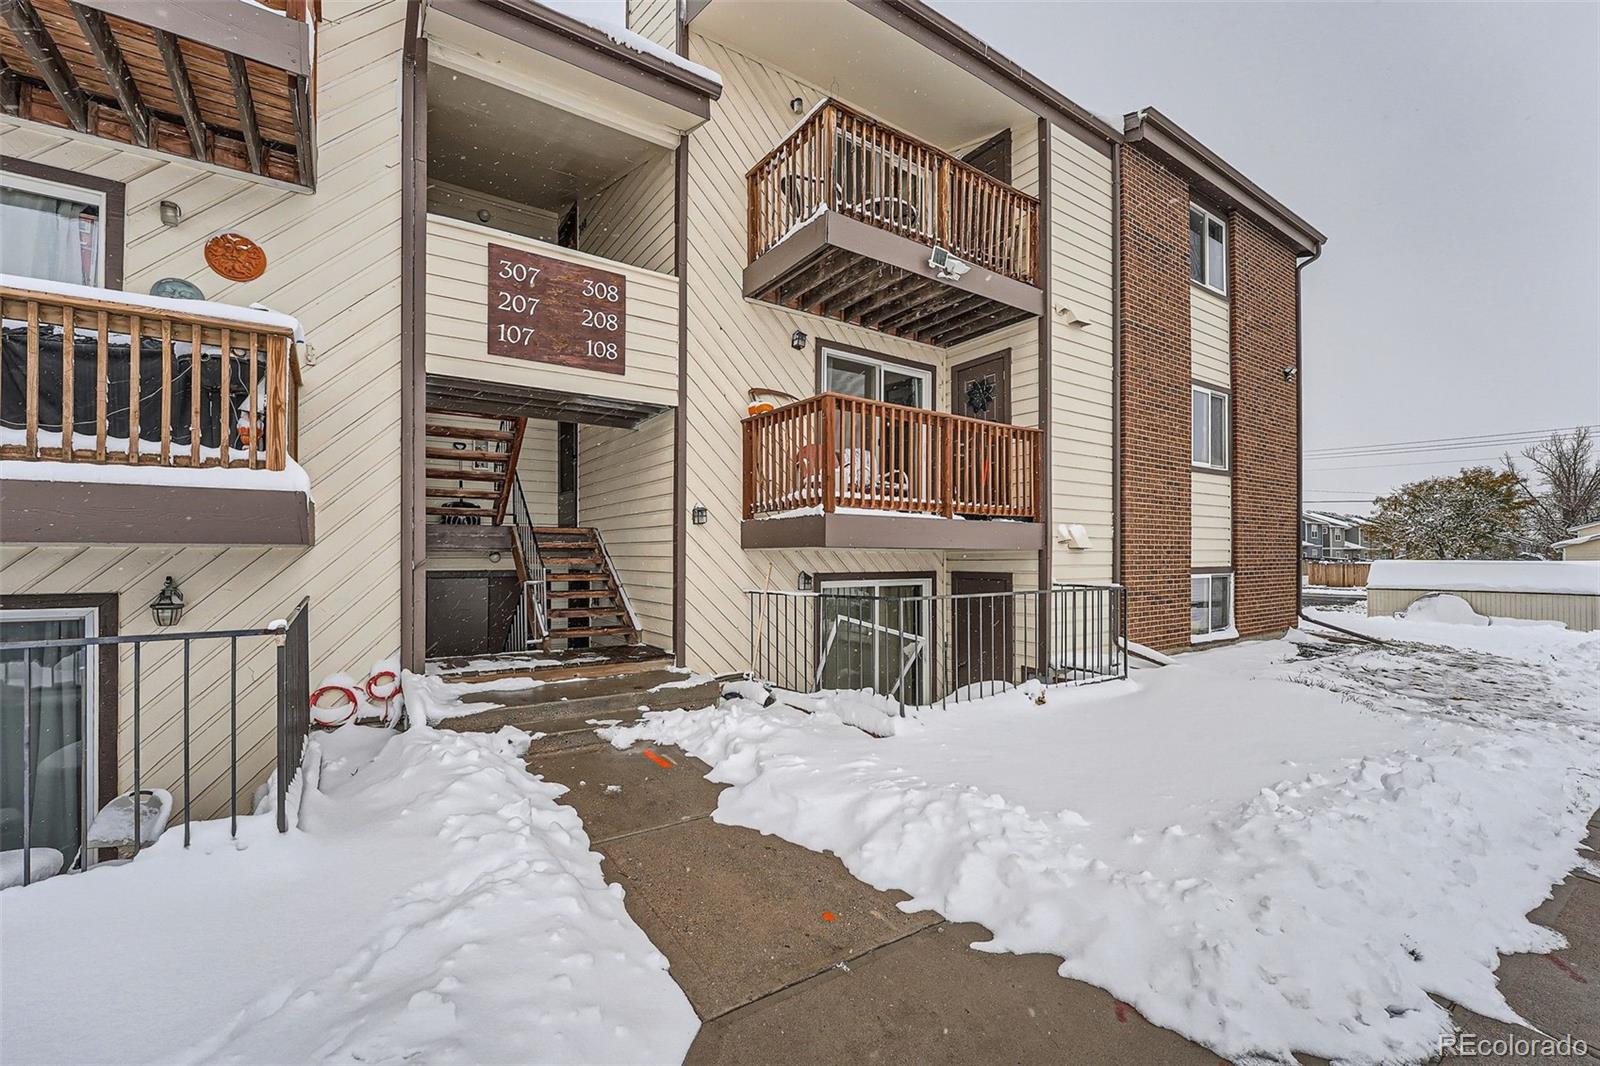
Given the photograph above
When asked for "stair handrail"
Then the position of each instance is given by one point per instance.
(536, 581)
(616, 578)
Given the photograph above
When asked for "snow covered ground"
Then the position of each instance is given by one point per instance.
(437, 906)
(1276, 847)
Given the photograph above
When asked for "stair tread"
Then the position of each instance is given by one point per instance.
(592, 631)
(468, 433)
(445, 492)
(585, 612)
(446, 474)
(476, 456)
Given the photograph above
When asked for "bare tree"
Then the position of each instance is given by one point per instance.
(1562, 486)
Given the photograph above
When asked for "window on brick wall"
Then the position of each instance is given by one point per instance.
(1210, 606)
(1209, 427)
(1208, 249)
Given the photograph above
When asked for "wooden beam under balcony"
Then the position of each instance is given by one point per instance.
(41, 49)
(114, 68)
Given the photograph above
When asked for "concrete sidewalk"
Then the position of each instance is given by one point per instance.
(787, 958)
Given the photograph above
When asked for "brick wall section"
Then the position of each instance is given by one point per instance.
(1261, 281)
(1155, 416)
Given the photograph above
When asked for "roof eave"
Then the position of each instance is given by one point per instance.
(1159, 133)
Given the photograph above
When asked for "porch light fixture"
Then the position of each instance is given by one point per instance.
(699, 516)
(808, 581)
(167, 607)
(1289, 372)
(171, 213)
(797, 104)
(797, 340)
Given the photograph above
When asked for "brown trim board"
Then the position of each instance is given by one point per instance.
(413, 339)
(888, 531)
(1046, 569)
(116, 195)
(105, 606)
(680, 438)
(246, 30)
(104, 512)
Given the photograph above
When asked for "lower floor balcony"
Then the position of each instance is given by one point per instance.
(837, 471)
(130, 419)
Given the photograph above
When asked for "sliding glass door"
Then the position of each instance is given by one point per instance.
(54, 782)
(875, 635)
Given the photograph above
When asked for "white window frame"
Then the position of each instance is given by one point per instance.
(876, 585)
(1216, 285)
(90, 617)
(1210, 463)
(66, 190)
(1227, 632)
(880, 365)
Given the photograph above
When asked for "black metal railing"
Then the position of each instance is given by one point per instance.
(917, 649)
(31, 659)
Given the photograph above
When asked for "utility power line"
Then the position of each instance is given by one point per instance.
(1446, 443)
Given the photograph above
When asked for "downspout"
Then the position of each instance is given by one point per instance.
(1299, 464)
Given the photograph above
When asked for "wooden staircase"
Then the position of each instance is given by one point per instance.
(471, 463)
(587, 605)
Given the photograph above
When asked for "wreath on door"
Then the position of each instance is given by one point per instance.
(980, 394)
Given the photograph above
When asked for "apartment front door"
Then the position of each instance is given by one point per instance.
(981, 620)
(982, 388)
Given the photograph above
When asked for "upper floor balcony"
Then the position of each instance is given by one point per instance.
(221, 82)
(842, 471)
(858, 221)
(159, 422)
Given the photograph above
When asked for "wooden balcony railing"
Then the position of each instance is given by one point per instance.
(239, 411)
(833, 451)
(840, 160)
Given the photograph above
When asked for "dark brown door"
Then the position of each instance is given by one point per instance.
(983, 630)
(982, 388)
(470, 611)
(993, 157)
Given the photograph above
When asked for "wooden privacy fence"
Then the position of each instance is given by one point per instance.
(840, 160)
(833, 451)
(143, 385)
(1335, 575)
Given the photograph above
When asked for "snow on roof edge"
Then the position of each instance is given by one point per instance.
(256, 316)
(630, 40)
(1566, 577)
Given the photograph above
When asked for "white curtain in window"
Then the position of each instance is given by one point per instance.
(44, 237)
(55, 767)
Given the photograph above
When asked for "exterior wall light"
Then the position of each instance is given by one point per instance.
(797, 105)
(699, 516)
(797, 340)
(167, 607)
(808, 581)
(171, 213)
(1290, 372)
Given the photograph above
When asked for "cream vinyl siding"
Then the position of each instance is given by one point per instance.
(736, 344)
(333, 260)
(1210, 495)
(655, 19)
(625, 491)
(631, 219)
(536, 469)
(458, 319)
(1590, 550)
(1580, 613)
(1081, 395)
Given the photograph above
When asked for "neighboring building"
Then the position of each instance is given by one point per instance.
(534, 279)
(1329, 537)
(1583, 544)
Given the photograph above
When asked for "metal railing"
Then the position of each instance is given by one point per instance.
(293, 723)
(921, 649)
(840, 160)
(531, 619)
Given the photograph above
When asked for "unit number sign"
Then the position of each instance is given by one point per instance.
(550, 311)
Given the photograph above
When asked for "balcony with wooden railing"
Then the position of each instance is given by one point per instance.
(187, 403)
(836, 456)
(845, 214)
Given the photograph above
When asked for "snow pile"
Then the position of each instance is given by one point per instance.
(431, 699)
(438, 905)
(292, 478)
(1477, 575)
(1261, 866)
(584, 11)
(1444, 608)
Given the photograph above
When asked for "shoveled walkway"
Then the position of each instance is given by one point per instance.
(787, 958)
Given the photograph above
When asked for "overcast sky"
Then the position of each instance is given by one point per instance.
(1449, 151)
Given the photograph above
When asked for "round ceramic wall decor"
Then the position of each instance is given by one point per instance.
(177, 289)
(236, 257)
